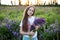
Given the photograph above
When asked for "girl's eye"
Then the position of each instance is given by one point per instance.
(30, 10)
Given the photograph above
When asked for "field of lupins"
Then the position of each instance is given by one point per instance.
(10, 18)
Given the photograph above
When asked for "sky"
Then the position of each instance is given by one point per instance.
(16, 2)
(8, 2)
(58, 1)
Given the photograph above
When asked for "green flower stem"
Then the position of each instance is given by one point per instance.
(30, 35)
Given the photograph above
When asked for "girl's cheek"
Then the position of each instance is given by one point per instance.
(32, 12)
(28, 13)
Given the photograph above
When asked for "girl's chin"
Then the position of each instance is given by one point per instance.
(30, 15)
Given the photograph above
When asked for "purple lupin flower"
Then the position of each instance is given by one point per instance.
(12, 28)
(8, 26)
(15, 33)
(32, 27)
(37, 22)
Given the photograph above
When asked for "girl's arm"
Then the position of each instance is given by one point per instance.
(26, 33)
(36, 28)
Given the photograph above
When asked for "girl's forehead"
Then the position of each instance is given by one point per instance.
(31, 8)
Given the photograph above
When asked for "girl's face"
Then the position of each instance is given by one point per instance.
(30, 11)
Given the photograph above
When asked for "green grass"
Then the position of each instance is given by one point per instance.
(16, 13)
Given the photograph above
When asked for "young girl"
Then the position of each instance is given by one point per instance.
(25, 25)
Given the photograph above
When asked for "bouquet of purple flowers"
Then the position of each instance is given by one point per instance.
(37, 22)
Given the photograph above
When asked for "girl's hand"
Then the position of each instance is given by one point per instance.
(37, 27)
(31, 33)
